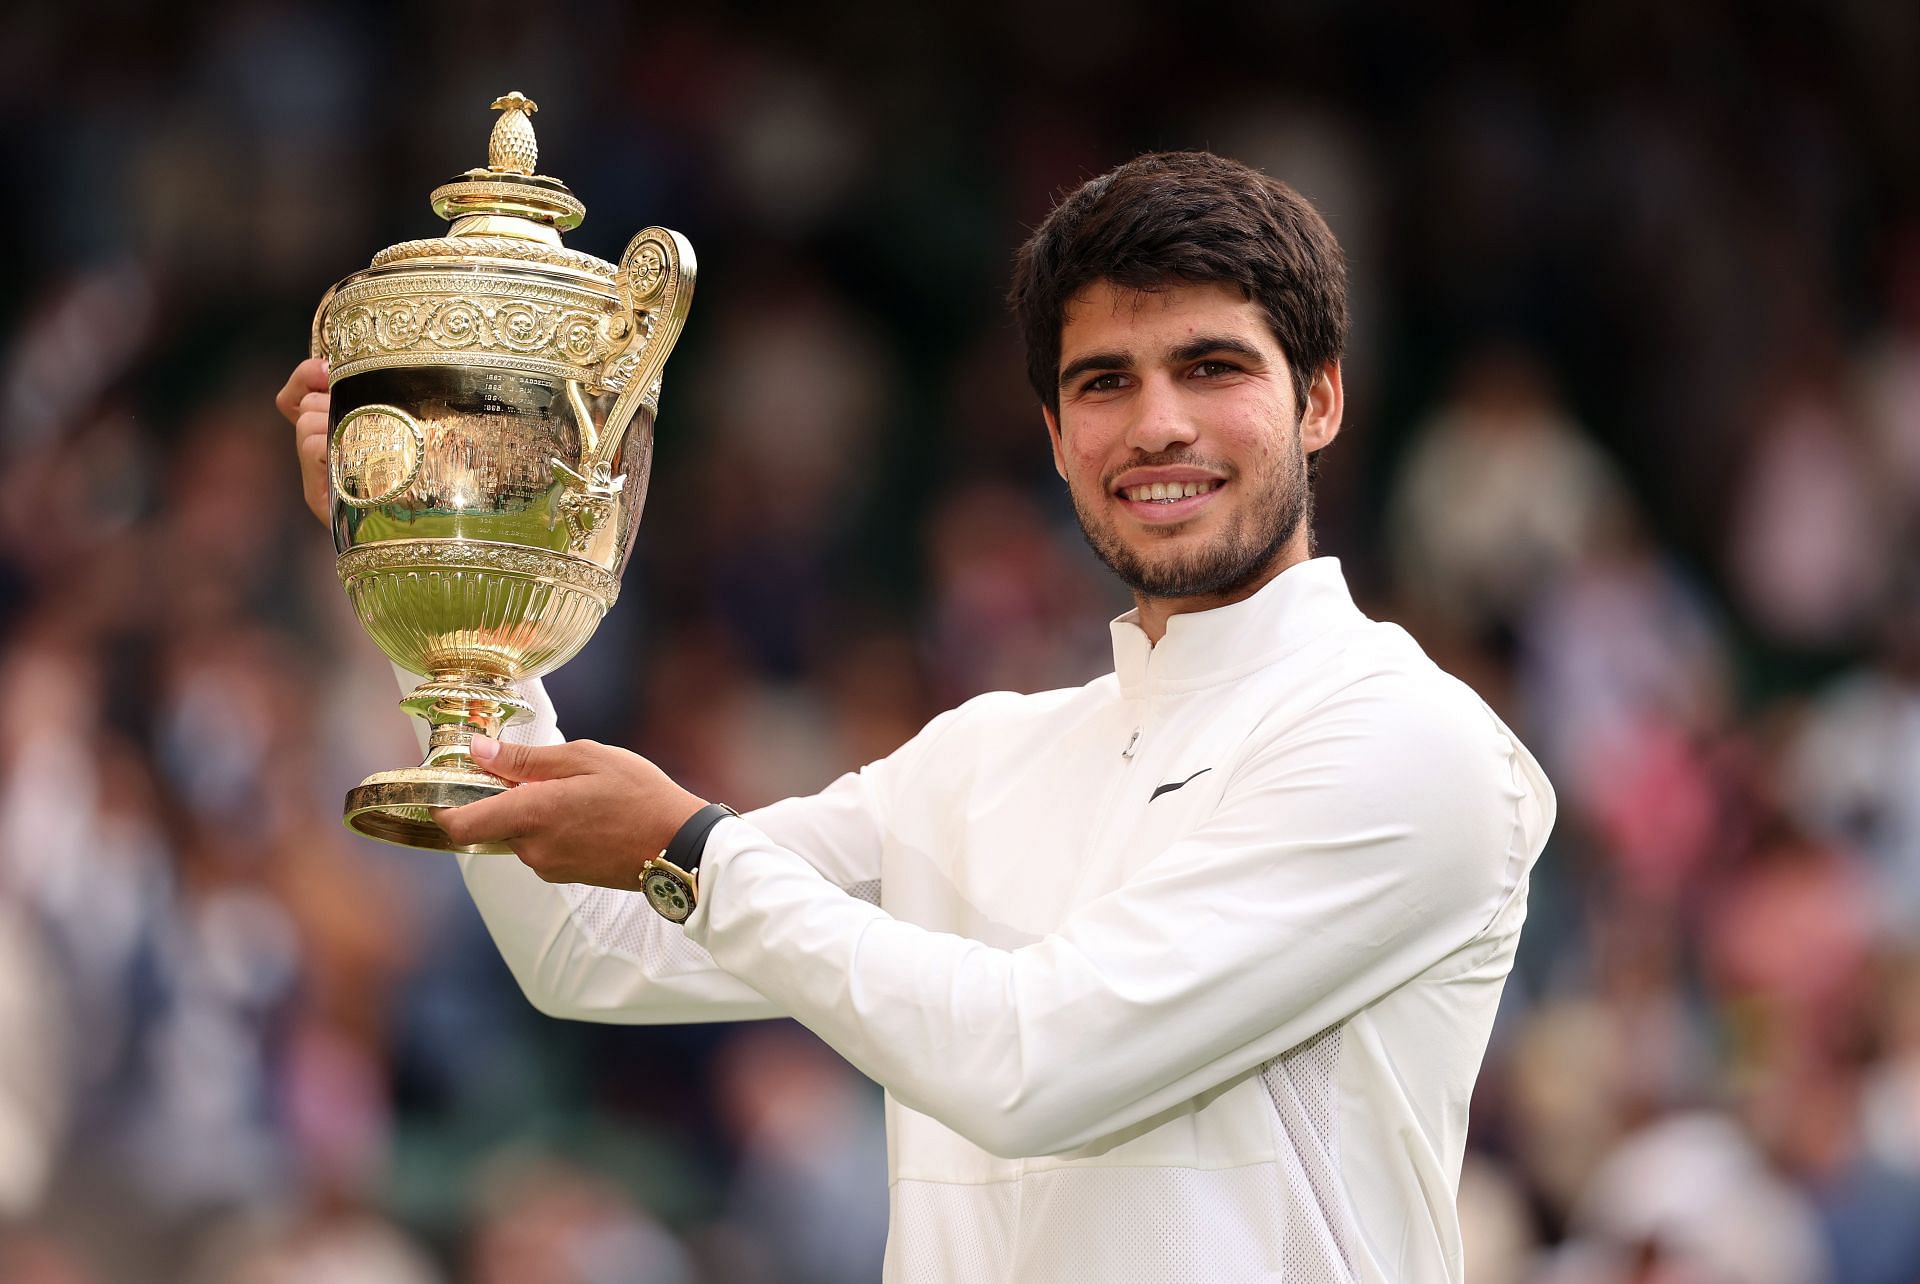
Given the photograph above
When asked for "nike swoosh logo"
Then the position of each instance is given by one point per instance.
(1167, 789)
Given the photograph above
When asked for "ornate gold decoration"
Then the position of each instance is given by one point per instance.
(496, 247)
(511, 148)
(374, 321)
(587, 502)
(645, 265)
(376, 454)
(655, 281)
(480, 555)
(500, 196)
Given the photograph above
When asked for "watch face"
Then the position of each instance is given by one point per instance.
(669, 892)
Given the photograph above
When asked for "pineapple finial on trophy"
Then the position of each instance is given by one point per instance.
(511, 149)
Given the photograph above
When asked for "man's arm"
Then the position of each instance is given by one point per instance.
(1337, 868)
(601, 954)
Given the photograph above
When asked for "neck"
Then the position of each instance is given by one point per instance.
(1154, 612)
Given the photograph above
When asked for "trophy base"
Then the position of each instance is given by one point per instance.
(397, 806)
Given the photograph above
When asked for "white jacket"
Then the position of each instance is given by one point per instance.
(1185, 974)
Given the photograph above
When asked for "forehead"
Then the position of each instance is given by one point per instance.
(1105, 316)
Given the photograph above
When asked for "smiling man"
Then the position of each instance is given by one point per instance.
(1185, 974)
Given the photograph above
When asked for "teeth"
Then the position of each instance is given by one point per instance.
(1167, 492)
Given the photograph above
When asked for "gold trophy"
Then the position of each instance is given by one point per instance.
(494, 396)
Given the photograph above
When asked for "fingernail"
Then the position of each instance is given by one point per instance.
(484, 748)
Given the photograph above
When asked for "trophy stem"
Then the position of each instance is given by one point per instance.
(397, 806)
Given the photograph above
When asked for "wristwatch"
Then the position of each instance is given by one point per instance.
(671, 880)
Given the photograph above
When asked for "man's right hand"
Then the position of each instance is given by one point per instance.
(304, 402)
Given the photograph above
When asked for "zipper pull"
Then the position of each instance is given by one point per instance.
(1132, 740)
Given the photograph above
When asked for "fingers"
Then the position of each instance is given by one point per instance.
(499, 819)
(310, 416)
(305, 402)
(534, 762)
(315, 485)
(310, 376)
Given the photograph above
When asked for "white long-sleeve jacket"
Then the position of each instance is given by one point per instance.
(1185, 974)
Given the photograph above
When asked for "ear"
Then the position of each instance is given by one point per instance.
(1326, 402)
(1053, 435)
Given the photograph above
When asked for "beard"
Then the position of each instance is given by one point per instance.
(1263, 525)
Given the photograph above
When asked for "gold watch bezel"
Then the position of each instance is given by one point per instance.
(674, 893)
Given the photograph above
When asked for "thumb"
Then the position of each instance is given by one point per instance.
(512, 761)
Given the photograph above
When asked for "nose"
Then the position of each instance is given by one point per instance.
(1160, 421)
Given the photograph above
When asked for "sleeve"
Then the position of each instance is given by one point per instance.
(598, 954)
(1339, 864)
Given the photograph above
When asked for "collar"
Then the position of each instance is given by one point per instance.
(1201, 648)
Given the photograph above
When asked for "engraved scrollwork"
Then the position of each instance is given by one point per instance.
(478, 555)
(529, 327)
(457, 323)
(495, 247)
(619, 372)
(397, 325)
(522, 327)
(578, 338)
(645, 266)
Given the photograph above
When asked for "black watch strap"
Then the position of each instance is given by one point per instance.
(690, 840)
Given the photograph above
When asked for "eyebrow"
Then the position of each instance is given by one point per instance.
(1203, 345)
(1192, 350)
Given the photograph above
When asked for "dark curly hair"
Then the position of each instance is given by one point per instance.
(1185, 217)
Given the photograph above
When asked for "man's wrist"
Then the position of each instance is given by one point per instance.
(671, 880)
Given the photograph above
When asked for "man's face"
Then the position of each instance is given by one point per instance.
(1181, 440)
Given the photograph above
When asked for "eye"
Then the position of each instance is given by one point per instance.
(1214, 369)
(1108, 382)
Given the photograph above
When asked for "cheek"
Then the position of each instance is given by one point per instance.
(1085, 464)
(1263, 440)
(1086, 457)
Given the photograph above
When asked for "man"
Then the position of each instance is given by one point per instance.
(1185, 974)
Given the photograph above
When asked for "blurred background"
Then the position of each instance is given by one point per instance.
(1633, 445)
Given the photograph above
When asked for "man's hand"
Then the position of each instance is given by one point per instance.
(582, 812)
(304, 401)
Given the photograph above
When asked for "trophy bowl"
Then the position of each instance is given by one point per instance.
(490, 436)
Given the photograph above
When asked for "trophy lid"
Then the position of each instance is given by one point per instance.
(505, 211)
(508, 188)
(498, 288)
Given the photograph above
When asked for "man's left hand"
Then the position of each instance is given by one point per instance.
(581, 812)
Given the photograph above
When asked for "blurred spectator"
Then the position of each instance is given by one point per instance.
(323, 1248)
(1811, 540)
(1016, 604)
(1890, 1092)
(812, 1152)
(542, 1218)
(1688, 1200)
(1620, 637)
(33, 1070)
(1889, 379)
(1500, 495)
(1856, 764)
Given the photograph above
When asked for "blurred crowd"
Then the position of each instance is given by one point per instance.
(1633, 446)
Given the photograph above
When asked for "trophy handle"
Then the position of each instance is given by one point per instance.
(655, 283)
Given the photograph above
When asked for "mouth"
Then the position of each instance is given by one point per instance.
(1161, 503)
